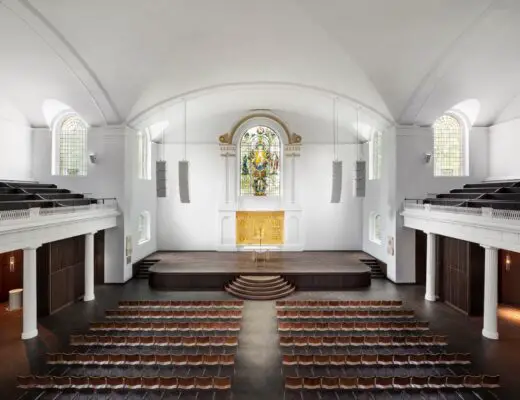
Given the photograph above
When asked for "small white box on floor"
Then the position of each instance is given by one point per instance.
(15, 299)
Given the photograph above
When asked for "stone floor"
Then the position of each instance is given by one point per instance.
(258, 365)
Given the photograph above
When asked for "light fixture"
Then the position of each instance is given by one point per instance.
(508, 262)
(11, 264)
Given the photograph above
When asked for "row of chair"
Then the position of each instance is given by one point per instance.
(167, 304)
(425, 359)
(162, 314)
(170, 341)
(342, 341)
(357, 326)
(343, 314)
(140, 359)
(165, 326)
(281, 304)
(393, 383)
(123, 383)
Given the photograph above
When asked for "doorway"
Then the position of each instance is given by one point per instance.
(11, 273)
(509, 271)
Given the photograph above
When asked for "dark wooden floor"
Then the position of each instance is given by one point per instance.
(279, 262)
(257, 373)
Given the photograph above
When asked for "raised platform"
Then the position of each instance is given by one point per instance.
(212, 270)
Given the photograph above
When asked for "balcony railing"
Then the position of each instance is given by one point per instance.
(29, 214)
(485, 212)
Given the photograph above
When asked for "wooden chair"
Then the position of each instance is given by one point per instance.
(115, 382)
(366, 383)
(419, 382)
(179, 359)
(132, 359)
(305, 359)
(330, 383)
(61, 382)
(204, 383)
(348, 383)
(211, 359)
(490, 381)
(150, 382)
(289, 359)
(436, 382)
(163, 359)
(168, 383)
(186, 383)
(401, 382)
(148, 359)
(227, 359)
(97, 382)
(384, 382)
(293, 383)
(133, 382)
(311, 383)
(195, 359)
(472, 382)
(79, 382)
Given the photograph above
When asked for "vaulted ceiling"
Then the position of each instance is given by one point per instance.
(117, 61)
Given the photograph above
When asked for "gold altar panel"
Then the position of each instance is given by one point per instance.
(254, 227)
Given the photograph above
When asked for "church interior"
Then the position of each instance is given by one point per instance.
(291, 199)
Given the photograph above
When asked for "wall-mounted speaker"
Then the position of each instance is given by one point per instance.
(359, 179)
(160, 178)
(184, 189)
(337, 179)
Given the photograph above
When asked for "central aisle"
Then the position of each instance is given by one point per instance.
(258, 361)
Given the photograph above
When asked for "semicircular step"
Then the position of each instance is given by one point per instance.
(259, 287)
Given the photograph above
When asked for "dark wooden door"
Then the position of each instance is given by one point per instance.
(11, 273)
(509, 277)
(420, 257)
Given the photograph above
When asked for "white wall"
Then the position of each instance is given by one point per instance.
(504, 141)
(106, 178)
(140, 195)
(15, 148)
(194, 226)
(413, 179)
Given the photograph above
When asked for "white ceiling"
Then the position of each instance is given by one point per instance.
(115, 61)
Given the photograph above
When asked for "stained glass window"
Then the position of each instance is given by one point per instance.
(260, 162)
(449, 153)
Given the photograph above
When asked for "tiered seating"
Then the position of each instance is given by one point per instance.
(137, 352)
(24, 195)
(373, 347)
(499, 195)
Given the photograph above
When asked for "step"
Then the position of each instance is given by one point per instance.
(259, 288)
(259, 284)
(260, 292)
(260, 279)
(259, 297)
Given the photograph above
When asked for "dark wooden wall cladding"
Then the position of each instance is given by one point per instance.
(11, 273)
(460, 267)
(509, 277)
(61, 274)
(99, 258)
(420, 257)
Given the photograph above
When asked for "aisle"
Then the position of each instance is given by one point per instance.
(258, 362)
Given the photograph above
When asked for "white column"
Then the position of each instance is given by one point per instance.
(227, 178)
(293, 179)
(30, 322)
(89, 267)
(490, 329)
(430, 267)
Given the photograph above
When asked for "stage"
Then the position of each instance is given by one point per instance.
(212, 270)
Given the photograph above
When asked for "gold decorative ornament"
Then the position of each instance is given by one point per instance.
(255, 227)
(227, 138)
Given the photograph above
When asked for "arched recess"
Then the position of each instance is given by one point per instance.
(260, 119)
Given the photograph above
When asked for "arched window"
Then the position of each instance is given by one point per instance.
(376, 156)
(144, 155)
(449, 146)
(144, 227)
(375, 228)
(70, 146)
(260, 162)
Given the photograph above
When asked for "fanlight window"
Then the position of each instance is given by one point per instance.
(449, 150)
(70, 144)
(375, 228)
(144, 227)
(260, 162)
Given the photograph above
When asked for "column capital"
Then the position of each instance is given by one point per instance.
(228, 150)
(488, 247)
(32, 246)
(292, 150)
(91, 233)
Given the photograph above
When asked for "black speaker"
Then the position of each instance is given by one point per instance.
(337, 179)
(184, 189)
(160, 178)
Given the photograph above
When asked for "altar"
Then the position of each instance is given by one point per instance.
(259, 204)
